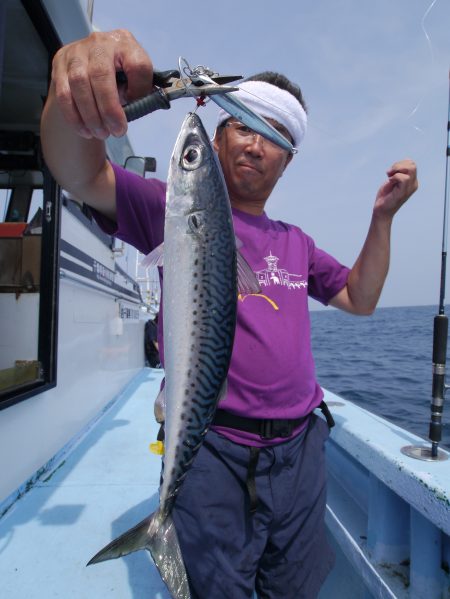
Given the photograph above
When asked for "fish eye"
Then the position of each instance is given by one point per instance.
(192, 156)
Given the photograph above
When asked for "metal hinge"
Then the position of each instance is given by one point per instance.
(48, 211)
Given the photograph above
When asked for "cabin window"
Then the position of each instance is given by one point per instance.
(28, 284)
(29, 208)
(20, 269)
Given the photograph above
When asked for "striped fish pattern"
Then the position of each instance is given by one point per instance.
(200, 297)
(200, 289)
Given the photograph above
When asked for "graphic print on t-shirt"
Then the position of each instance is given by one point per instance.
(272, 275)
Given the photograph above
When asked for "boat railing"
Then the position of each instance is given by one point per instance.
(388, 513)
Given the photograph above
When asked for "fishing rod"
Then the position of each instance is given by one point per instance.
(440, 331)
(440, 334)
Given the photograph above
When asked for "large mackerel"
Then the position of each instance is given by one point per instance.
(200, 292)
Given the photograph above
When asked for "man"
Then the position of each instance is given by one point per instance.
(250, 513)
(151, 347)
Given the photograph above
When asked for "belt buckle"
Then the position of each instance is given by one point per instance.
(270, 429)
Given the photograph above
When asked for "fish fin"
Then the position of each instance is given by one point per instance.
(134, 539)
(155, 257)
(247, 282)
(159, 407)
(160, 538)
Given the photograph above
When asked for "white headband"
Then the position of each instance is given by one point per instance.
(274, 103)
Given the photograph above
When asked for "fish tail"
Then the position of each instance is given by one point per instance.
(159, 537)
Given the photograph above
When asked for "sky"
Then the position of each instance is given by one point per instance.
(375, 76)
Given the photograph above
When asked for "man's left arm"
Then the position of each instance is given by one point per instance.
(367, 277)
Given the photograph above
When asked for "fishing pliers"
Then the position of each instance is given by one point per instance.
(170, 85)
(201, 82)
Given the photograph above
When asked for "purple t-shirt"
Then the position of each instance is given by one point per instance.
(272, 373)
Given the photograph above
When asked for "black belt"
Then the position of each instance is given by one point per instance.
(266, 428)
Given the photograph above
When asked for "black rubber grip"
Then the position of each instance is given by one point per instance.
(440, 333)
(156, 101)
(162, 78)
(435, 432)
(438, 387)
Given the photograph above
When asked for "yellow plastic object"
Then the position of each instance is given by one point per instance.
(157, 447)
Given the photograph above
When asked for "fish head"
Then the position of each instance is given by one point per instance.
(194, 174)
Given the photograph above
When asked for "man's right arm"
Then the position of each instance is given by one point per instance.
(84, 107)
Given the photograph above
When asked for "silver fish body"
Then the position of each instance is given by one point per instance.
(199, 319)
(200, 296)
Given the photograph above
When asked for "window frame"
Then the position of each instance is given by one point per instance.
(51, 228)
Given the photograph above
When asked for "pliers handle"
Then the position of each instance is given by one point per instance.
(171, 86)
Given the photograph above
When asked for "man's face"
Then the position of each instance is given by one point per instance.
(251, 165)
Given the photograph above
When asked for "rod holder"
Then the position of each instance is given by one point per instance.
(433, 453)
(424, 453)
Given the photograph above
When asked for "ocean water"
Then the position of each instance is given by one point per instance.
(382, 363)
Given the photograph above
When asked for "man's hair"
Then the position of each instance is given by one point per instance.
(282, 82)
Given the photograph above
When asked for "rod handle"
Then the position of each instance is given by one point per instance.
(440, 334)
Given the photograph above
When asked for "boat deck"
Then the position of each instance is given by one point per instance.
(388, 515)
(102, 487)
